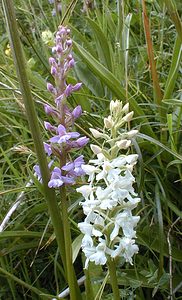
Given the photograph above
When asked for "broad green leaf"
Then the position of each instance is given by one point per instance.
(104, 48)
(76, 245)
(88, 78)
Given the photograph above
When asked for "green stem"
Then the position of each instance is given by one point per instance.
(71, 276)
(89, 293)
(113, 279)
(33, 123)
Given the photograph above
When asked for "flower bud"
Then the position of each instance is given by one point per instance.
(71, 63)
(95, 133)
(48, 126)
(125, 108)
(76, 113)
(115, 106)
(76, 87)
(123, 144)
(50, 87)
(132, 133)
(49, 110)
(59, 49)
(62, 30)
(128, 117)
(81, 142)
(69, 42)
(96, 149)
(53, 71)
(108, 122)
(52, 61)
(111, 106)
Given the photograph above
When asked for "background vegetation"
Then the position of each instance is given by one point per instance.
(127, 50)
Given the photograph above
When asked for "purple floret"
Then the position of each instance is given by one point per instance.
(79, 143)
(75, 168)
(57, 180)
(37, 172)
(77, 111)
(47, 149)
(63, 136)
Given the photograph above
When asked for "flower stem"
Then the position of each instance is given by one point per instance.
(71, 276)
(113, 279)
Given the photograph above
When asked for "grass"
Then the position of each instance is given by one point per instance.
(113, 63)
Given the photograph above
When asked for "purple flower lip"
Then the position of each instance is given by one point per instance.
(58, 39)
(63, 136)
(58, 180)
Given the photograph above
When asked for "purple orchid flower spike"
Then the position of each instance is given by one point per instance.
(63, 136)
(63, 139)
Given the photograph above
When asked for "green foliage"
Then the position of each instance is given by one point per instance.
(112, 62)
